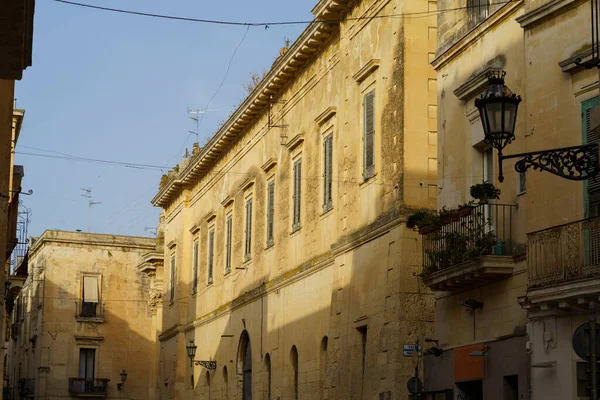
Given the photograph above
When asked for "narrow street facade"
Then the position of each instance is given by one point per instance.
(286, 258)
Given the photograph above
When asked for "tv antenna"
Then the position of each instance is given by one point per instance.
(87, 193)
(194, 115)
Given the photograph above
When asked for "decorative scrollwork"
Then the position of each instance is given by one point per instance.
(207, 364)
(574, 163)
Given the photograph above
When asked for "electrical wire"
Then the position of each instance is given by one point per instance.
(418, 14)
(95, 161)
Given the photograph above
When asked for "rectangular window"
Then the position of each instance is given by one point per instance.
(87, 361)
(172, 283)
(248, 242)
(228, 244)
(90, 296)
(211, 254)
(195, 268)
(488, 165)
(327, 171)
(591, 186)
(363, 339)
(478, 10)
(521, 183)
(297, 197)
(270, 213)
(369, 135)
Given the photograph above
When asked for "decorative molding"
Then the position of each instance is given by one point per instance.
(247, 184)
(172, 244)
(476, 83)
(547, 11)
(271, 162)
(326, 115)
(210, 216)
(366, 70)
(195, 228)
(475, 34)
(575, 63)
(227, 201)
(88, 337)
(295, 141)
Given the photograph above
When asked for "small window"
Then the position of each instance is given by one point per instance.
(521, 183)
(270, 213)
(369, 135)
(87, 363)
(248, 242)
(478, 10)
(297, 197)
(327, 172)
(89, 306)
(229, 227)
(172, 280)
(195, 268)
(211, 254)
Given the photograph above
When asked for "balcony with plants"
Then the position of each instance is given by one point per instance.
(468, 245)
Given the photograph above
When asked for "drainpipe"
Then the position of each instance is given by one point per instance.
(593, 355)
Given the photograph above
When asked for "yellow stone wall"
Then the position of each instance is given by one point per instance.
(350, 267)
(50, 336)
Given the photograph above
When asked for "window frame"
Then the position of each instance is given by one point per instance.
(369, 169)
(228, 241)
(270, 223)
(172, 273)
(297, 194)
(248, 206)
(328, 172)
(98, 309)
(195, 261)
(210, 255)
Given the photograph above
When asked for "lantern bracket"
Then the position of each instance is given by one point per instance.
(205, 364)
(575, 163)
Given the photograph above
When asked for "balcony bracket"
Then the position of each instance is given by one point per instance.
(575, 163)
(206, 364)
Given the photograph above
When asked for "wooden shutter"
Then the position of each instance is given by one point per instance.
(270, 211)
(327, 171)
(228, 245)
(90, 289)
(297, 192)
(195, 268)
(172, 279)
(248, 228)
(211, 254)
(369, 135)
(591, 186)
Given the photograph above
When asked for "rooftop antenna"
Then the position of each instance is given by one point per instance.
(87, 193)
(194, 115)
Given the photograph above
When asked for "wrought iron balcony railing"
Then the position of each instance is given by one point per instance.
(27, 387)
(485, 229)
(564, 253)
(87, 311)
(88, 387)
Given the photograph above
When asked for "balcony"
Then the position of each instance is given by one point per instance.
(89, 312)
(469, 249)
(564, 265)
(86, 387)
(27, 387)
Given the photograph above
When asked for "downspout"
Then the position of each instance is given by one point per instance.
(262, 312)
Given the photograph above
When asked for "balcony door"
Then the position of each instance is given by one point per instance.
(87, 362)
(591, 196)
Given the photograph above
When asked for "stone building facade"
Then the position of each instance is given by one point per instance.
(504, 320)
(81, 318)
(286, 258)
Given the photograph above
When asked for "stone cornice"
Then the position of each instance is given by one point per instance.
(326, 115)
(571, 64)
(475, 84)
(547, 11)
(302, 51)
(476, 33)
(366, 70)
(295, 142)
(270, 163)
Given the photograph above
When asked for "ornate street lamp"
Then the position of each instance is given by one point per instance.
(191, 352)
(123, 375)
(498, 112)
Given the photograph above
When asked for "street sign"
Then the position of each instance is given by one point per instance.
(414, 385)
(581, 340)
(408, 349)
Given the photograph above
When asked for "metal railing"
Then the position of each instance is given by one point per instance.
(88, 310)
(564, 253)
(88, 386)
(26, 387)
(476, 231)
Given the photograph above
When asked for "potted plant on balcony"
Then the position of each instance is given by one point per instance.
(465, 210)
(484, 191)
(448, 215)
(424, 222)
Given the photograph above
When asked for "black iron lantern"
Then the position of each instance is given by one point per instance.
(498, 107)
(498, 111)
(191, 350)
(123, 375)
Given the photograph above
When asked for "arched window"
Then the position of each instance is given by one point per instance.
(268, 371)
(323, 367)
(225, 383)
(294, 361)
(244, 365)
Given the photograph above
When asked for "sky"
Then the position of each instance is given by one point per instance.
(116, 87)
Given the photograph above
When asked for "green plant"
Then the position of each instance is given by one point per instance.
(176, 168)
(448, 215)
(419, 219)
(484, 191)
(163, 180)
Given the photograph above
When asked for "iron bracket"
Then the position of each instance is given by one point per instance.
(206, 364)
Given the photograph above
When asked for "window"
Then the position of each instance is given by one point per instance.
(591, 187)
(172, 283)
(195, 268)
(363, 339)
(521, 183)
(229, 227)
(270, 213)
(297, 193)
(90, 296)
(211, 254)
(248, 242)
(327, 171)
(87, 361)
(478, 10)
(488, 165)
(369, 135)
(294, 361)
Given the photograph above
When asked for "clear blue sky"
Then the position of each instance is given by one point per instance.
(113, 86)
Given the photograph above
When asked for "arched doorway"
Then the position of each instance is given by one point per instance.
(244, 365)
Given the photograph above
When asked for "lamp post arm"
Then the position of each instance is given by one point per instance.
(206, 364)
